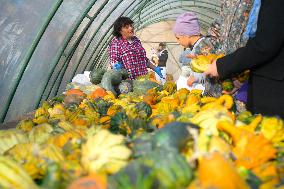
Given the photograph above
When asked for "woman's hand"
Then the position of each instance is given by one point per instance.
(212, 70)
(190, 56)
(190, 80)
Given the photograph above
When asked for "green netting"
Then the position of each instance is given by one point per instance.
(45, 43)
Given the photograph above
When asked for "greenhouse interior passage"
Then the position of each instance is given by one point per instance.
(142, 94)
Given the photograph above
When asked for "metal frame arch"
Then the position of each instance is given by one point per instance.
(158, 11)
(26, 59)
(65, 56)
(170, 16)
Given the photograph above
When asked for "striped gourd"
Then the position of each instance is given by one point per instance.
(14, 176)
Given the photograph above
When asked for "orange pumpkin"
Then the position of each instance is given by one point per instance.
(104, 119)
(215, 171)
(81, 120)
(99, 92)
(149, 99)
(89, 182)
(160, 121)
(251, 150)
(75, 92)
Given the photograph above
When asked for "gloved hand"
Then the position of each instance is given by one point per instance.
(117, 66)
(158, 70)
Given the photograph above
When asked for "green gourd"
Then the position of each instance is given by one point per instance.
(112, 78)
(140, 87)
(138, 126)
(101, 105)
(118, 123)
(170, 169)
(134, 175)
(175, 135)
(142, 144)
(96, 75)
(144, 110)
(158, 169)
(53, 177)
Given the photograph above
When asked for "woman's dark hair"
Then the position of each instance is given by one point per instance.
(119, 23)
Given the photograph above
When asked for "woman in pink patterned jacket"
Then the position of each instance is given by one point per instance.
(126, 51)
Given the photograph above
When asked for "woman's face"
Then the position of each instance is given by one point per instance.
(160, 48)
(183, 40)
(127, 31)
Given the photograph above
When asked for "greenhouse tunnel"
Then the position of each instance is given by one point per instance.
(44, 44)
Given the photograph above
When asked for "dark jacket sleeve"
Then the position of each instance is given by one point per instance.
(261, 49)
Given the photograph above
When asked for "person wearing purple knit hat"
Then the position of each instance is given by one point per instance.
(187, 26)
(187, 32)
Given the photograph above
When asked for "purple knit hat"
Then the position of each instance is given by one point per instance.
(187, 24)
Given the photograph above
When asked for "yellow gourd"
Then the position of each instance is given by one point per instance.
(182, 94)
(170, 87)
(226, 100)
(207, 99)
(252, 126)
(191, 99)
(61, 139)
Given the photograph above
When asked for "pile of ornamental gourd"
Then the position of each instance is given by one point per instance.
(123, 134)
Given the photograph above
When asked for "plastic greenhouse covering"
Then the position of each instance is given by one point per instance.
(44, 44)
